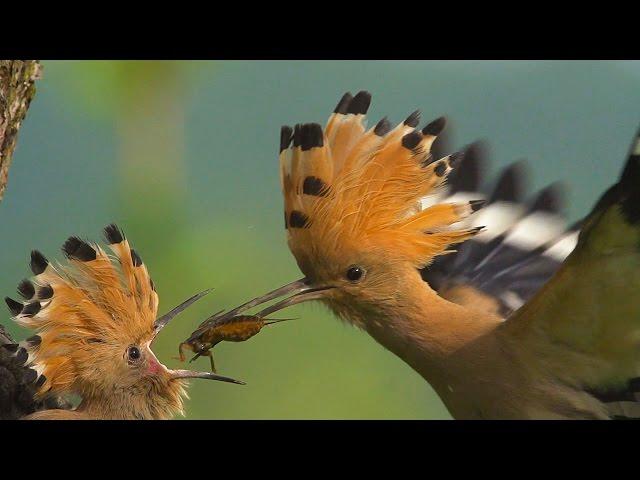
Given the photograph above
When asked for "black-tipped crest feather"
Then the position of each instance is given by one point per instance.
(45, 292)
(360, 103)
(312, 136)
(75, 248)
(382, 127)
(26, 289)
(413, 119)
(135, 258)
(435, 127)
(411, 140)
(343, 104)
(314, 186)
(38, 262)
(298, 219)
(113, 234)
(297, 135)
(15, 307)
(286, 133)
(31, 309)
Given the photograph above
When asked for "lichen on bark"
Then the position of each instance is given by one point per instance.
(17, 88)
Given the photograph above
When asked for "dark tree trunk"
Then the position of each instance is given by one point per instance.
(17, 78)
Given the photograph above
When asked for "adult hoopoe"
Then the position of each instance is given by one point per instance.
(95, 322)
(368, 221)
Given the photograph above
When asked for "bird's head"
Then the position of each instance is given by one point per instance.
(353, 208)
(96, 319)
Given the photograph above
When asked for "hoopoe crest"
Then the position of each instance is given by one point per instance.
(350, 191)
(567, 347)
(96, 317)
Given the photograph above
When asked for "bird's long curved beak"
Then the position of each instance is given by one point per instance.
(296, 292)
(178, 374)
(301, 292)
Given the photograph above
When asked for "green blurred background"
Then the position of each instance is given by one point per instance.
(183, 156)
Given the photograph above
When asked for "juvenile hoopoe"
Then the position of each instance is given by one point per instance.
(368, 223)
(95, 322)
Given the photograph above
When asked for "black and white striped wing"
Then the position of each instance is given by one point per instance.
(524, 244)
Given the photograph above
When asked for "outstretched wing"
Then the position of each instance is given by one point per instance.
(585, 322)
(524, 244)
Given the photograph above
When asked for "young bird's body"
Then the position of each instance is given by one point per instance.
(362, 224)
(96, 318)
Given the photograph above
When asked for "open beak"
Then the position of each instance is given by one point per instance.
(162, 321)
(296, 292)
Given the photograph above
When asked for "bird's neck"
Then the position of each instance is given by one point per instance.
(136, 403)
(441, 340)
(104, 407)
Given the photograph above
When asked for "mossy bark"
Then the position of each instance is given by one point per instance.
(17, 88)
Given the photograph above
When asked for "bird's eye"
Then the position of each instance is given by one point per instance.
(133, 353)
(355, 273)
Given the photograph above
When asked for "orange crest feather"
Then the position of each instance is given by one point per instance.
(92, 299)
(345, 185)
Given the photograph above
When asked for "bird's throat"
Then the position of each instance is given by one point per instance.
(439, 339)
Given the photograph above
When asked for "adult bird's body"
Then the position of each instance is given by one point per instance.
(368, 224)
(95, 322)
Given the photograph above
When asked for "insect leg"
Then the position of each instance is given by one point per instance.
(181, 351)
(210, 355)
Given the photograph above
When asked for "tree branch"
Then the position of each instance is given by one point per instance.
(17, 88)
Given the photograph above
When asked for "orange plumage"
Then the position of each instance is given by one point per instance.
(365, 186)
(361, 230)
(96, 317)
(96, 304)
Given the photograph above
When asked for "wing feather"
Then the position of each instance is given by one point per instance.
(591, 306)
(523, 245)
